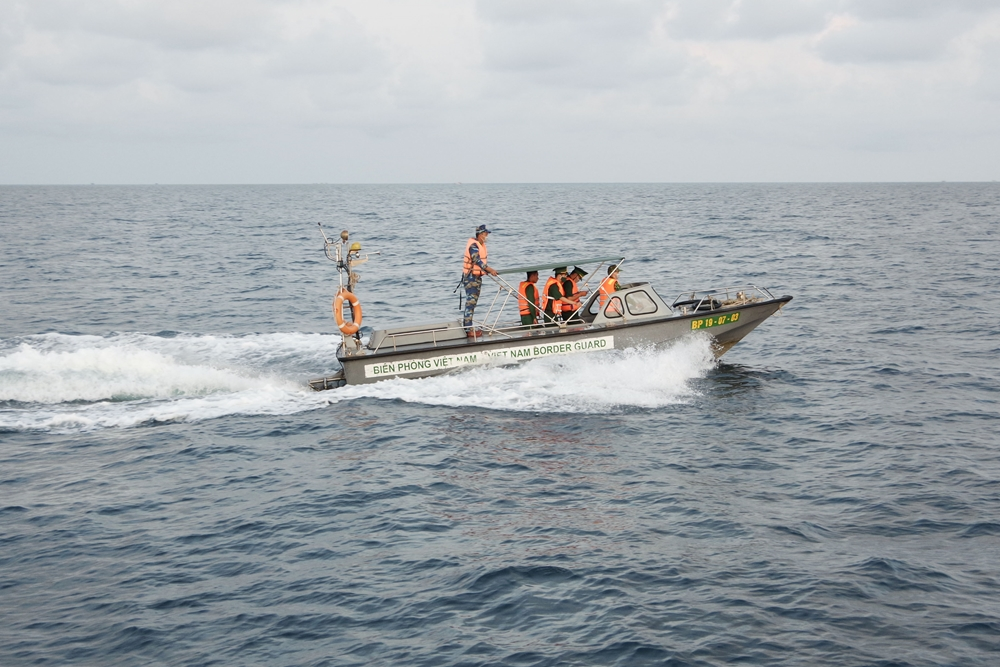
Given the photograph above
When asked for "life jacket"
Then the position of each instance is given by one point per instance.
(467, 266)
(556, 304)
(608, 286)
(523, 301)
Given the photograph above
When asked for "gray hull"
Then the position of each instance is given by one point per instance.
(727, 326)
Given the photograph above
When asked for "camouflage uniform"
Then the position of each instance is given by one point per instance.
(473, 286)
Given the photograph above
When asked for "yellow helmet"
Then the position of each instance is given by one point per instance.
(355, 247)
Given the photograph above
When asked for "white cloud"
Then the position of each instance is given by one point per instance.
(922, 36)
(394, 90)
(916, 9)
(173, 24)
(745, 19)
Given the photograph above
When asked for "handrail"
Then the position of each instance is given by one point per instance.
(507, 331)
(567, 262)
(433, 332)
(701, 296)
(693, 294)
(504, 285)
(503, 305)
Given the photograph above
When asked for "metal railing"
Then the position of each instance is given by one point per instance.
(508, 291)
(490, 323)
(433, 332)
(508, 331)
(686, 302)
(495, 328)
(720, 297)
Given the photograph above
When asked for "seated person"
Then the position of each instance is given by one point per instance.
(555, 297)
(528, 300)
(609, 285)
(572, 293)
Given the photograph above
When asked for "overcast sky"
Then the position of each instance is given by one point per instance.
(383, 91)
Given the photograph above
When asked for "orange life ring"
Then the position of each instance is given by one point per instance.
(347, 328)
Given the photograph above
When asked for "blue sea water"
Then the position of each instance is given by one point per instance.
(828, 493)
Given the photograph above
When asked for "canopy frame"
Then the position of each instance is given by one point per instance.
(508, 291)
(566, 263)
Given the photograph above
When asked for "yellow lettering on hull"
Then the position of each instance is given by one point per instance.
(719, 320)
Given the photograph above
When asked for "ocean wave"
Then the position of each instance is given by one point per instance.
(72, 383)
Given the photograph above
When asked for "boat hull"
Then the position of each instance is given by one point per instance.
(726, 326)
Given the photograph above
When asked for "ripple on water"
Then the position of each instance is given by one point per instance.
(825, 494)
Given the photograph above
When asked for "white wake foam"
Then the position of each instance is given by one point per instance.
(67, 383)
(114, 373)
(582, 383)
(76, 383)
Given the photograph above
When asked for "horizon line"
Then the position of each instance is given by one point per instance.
(459, 183)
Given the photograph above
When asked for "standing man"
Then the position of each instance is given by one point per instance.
(473, 267)
(527, 299)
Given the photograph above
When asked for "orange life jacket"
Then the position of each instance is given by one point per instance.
(608, 286)
(523, 302)
(467, 266)
(556, 303)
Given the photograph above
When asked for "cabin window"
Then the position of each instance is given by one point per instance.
(614, 308)
(639, 303)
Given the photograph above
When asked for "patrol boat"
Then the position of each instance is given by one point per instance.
(634, 315)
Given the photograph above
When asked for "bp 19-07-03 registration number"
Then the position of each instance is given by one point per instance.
(705, 322)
